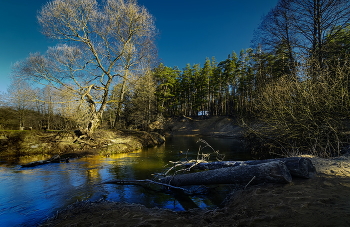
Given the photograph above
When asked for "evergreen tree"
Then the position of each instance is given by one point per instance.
(166, 80)
(207, 74)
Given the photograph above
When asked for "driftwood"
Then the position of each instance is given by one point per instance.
(54, 159)
(233, 172)
(298, 166)
(269, 172)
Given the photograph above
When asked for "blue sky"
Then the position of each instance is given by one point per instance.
(189, 30)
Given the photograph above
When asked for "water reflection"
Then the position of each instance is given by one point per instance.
(29, 195)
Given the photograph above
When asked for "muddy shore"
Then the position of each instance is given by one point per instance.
(214, 126)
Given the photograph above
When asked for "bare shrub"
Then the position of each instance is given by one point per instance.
(305, 115)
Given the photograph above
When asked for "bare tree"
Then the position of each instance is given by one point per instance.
(103, 43)
(315, 21)
(302, 28)
(276, 35)
(21, 96)
(72, 111)
(141, 109)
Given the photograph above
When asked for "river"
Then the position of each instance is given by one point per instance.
(30, 195)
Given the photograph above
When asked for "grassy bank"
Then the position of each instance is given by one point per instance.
(16, 143)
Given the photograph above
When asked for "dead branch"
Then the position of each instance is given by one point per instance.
(140, 182)
(186, 166)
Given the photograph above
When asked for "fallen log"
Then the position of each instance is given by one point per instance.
(270, 172)
(298, 166)
(54, 159)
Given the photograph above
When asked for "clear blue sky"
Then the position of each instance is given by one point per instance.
(189, 30)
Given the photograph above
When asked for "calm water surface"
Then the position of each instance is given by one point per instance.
(30, 195)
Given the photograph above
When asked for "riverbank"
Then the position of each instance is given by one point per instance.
(215, 126)
(68, 144)
(320, 201)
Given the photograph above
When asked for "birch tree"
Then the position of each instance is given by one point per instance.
(100, 44)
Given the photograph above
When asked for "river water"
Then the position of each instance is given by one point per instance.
(30, 195)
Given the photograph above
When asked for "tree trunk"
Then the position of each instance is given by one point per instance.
(121, 100)
(298, 166)
(96, 116)
(93, 125)
(270, 172)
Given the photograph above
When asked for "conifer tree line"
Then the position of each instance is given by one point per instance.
(218, 88)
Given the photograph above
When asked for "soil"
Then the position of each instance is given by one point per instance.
(215, 126)
(68, 145)
(320, 201)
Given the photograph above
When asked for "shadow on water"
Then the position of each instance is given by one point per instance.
(29, 195)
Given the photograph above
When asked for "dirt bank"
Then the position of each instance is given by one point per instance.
(68, 143)
(212, 126)
(320, 201)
